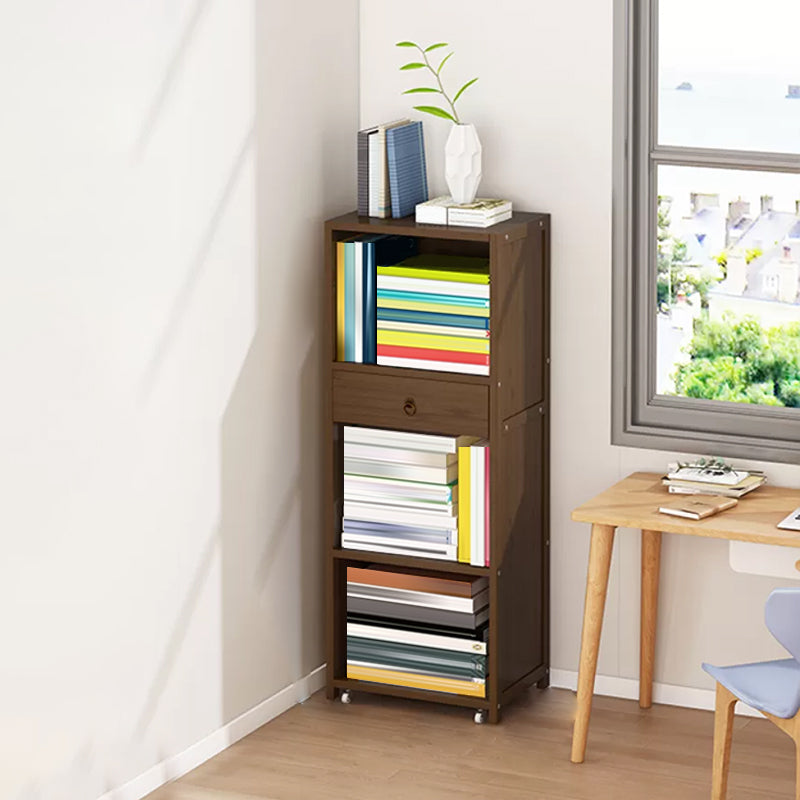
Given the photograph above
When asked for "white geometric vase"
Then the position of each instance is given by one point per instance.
(462, 162)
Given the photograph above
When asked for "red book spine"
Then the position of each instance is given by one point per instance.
(423, 353)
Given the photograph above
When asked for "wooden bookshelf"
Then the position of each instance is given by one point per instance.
(510, 407)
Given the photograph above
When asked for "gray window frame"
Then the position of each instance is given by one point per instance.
(640, 418)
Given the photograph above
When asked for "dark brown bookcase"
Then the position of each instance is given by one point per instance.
(510, 407)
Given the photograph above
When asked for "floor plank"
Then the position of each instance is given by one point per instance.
(392, 749)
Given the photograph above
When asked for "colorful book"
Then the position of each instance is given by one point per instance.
(440, 582)
(428, 660)
(439, 330)
(433, 341)
(412, 680)
(434, 306)
(402, 547)
(349, 301)
(466, 269)
(401, 516)
(340, 305)
(358, 303)
(420, 638)
(408, 180)
(363, 140)
(432, 318)
(378, 452)
(391, 594)
(416, 441)
(430, 286)
(435, 366)
(427, 297)
(487, 510)
(433, 354)
(464, 504)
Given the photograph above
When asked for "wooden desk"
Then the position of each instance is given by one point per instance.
(633, 503)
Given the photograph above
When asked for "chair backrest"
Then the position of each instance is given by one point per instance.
(782, 614)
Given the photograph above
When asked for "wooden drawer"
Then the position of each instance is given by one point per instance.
(413, 404)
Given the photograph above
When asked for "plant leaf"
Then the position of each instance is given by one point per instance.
(437, 112)
(406, 44)
(434, 46)
(413, 65)
(461, 90)
(421, 89)
(444, 61)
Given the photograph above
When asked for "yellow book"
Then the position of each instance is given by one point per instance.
(416, 680)
(436, 308)
(463, 549)
(340, 301)
(433, 341)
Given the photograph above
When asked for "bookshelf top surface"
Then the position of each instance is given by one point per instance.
(406, 226)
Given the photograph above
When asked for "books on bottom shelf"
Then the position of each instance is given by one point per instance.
(473, 498)
(418, 648)
(480, 213)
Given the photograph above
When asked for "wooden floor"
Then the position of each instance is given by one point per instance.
(390, 749)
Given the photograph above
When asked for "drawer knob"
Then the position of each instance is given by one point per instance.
(797, 566)
(410, 407)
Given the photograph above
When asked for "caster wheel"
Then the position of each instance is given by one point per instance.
(346, 699)
(480, 717)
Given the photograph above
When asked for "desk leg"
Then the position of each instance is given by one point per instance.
(596, 588)
(651, 561)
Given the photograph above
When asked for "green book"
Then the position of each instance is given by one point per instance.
(468, 269)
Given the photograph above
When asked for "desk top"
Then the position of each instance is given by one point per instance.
(634, 502)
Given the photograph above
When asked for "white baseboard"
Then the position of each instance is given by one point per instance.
(664, 693)
(200, 752)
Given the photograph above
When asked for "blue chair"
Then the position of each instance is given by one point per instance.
(771, 687)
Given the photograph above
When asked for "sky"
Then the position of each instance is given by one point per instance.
(730, 36)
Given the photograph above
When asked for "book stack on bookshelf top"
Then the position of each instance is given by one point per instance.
(392, 174)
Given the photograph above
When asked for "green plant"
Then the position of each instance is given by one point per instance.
(452, 115)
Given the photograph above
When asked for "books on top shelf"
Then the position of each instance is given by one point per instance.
(433, 313)
(480, 213)
(420, 630)
(711, 481)
(392, 175)
(356, 299)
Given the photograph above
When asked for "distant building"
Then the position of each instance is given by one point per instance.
(767, 288)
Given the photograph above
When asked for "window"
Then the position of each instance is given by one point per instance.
(707, 227)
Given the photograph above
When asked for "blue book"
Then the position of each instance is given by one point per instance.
(433, 318)
(439, 299)
(349, 301)
(408, 179)
(384, 250)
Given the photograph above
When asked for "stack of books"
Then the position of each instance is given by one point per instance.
(401, 492)
(480, 213)
(433, 313)
(421, 630)
(392, 175)
(473, 504)
(712, 481)
(357, 259)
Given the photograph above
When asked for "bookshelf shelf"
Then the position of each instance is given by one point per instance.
(510, 407)
(413, 562)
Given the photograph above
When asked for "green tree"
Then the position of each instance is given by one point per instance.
(736, 360)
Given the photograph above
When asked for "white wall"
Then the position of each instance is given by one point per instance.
(543, 111)
(165, 169)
